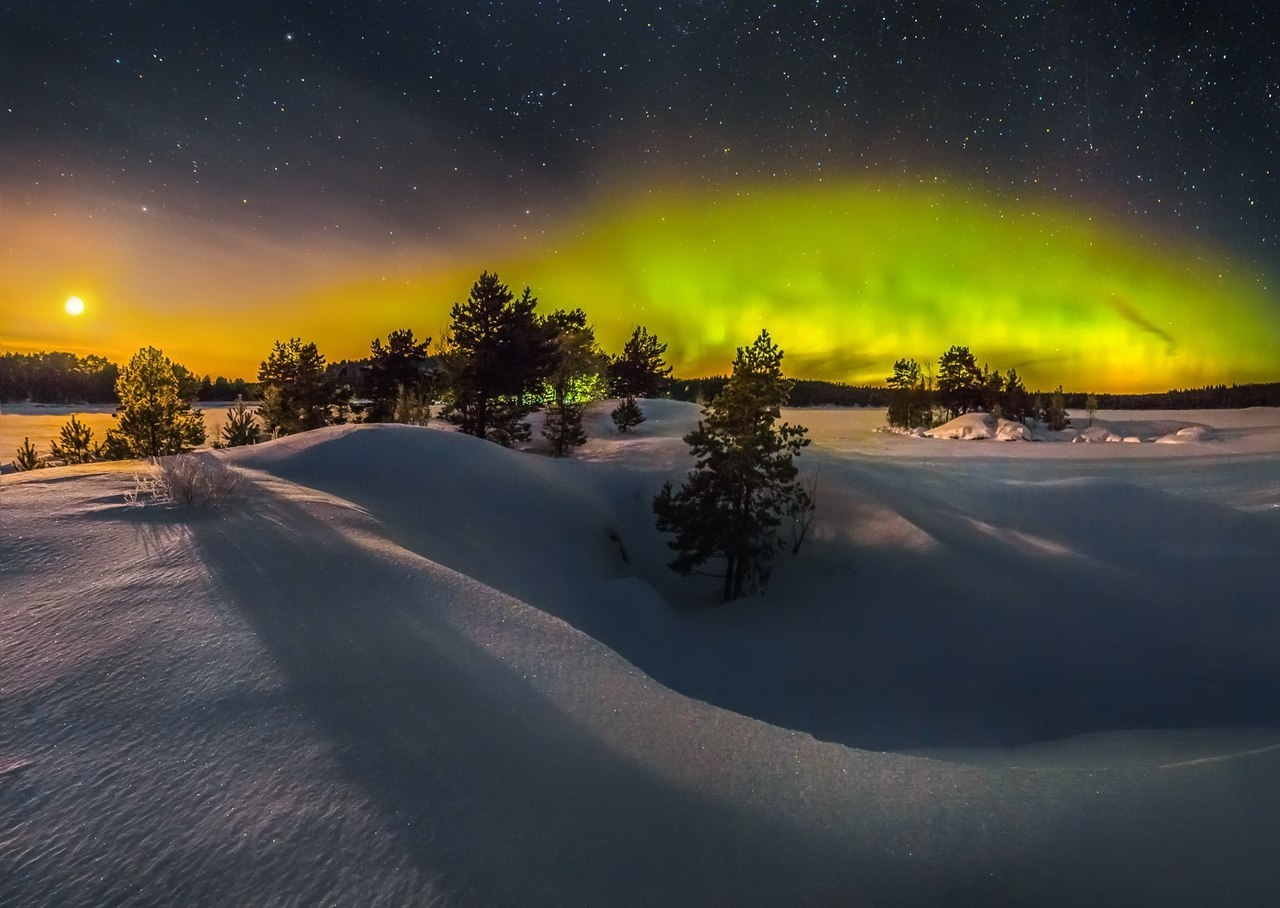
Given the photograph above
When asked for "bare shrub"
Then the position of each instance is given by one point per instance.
(191, 480)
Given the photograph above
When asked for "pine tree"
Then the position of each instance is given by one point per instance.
(154, 418)
(905, 395)
(28, 458)
(295, 395)
(959, 381)
(241, 427)
(1017, 402)
(1056, 413)
(573, 379)
(1091, 407)
(75, 443)
(496, 356)
(627, 414)
(641, 368)
(396, 367)
(743, 486)
(993, 392)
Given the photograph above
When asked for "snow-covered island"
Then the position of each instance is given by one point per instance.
(404, 666)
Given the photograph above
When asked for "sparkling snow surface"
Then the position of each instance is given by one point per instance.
(408, 667)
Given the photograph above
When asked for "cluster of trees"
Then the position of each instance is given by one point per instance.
(921, 398)
(57, 378)
(499, 361)
(154, 419)
(65, 378)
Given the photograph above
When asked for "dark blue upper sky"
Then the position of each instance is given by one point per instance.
(424, 115)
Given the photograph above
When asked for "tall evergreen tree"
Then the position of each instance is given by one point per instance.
(640, 368)
(960, 381)
(395, 368)
(295, 395)
(154, 418)
(1017, 402)
(908, 398)
(743, 486)
(497, 355)
(1055, 416)
(573, 379)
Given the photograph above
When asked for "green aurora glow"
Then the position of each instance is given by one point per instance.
(850, 277)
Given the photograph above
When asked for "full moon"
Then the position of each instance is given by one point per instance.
(74, 305)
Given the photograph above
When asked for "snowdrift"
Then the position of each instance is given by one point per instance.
(410, 667)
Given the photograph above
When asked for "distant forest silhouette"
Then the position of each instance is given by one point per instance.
(816, 393)
(66, 378)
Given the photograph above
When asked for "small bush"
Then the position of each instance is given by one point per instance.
(627, 415)
(191, 480)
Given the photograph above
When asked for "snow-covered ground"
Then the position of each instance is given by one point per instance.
(408, 667)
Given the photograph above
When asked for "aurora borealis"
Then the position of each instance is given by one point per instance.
(1082, 193)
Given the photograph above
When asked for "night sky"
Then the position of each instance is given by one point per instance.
(1083, 190)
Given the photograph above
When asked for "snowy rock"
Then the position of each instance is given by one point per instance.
(968, 427)
(1008, 430)
(1185, 435)
(1098, 434)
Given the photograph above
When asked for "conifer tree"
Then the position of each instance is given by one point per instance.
(743, 486)
(154, 418)
(75, 443)
(496, 356)
(906, 395)
(640, 368)
(572, 380)
(28, 458)
(295, 395)
(1056, 413)
(959, 381)
(1091, 407)
(627, 414)
(993, 392)
(395, 368)
(1017, 402)
(241, 427)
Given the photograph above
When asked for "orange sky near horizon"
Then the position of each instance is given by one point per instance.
(846, 278)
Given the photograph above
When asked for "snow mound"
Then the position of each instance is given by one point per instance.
(1008, 430)
(1185, 435)
(967, 427)
(355, 686)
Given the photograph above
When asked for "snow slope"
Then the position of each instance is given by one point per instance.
(410, 667)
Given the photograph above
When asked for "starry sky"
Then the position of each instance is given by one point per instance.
(1083, 190)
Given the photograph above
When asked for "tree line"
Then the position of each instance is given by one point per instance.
(65, 378)
(500, 361)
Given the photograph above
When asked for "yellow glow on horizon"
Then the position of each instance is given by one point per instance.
(847, 277)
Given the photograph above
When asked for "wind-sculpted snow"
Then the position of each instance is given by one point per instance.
(412, 668)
